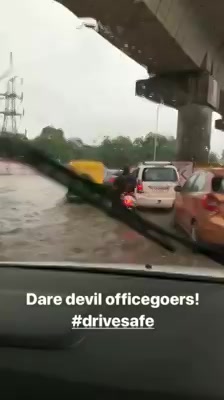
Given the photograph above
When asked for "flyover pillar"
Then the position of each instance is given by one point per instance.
(194, 133)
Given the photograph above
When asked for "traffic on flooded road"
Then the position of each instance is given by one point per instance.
(38, 224)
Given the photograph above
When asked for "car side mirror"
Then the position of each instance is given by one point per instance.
(178, 188)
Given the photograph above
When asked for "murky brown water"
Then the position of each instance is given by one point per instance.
(37, 225)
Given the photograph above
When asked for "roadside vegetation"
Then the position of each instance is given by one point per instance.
(113, 152)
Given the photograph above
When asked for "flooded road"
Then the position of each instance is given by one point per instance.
(37, 225)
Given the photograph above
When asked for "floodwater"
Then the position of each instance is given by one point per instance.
(37, 224)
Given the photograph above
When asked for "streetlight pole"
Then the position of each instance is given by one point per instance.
(157, 130)
(156, 133)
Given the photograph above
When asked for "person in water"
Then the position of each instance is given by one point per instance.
(125, 183)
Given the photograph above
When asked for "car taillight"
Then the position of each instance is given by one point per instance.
(129, 201)
(210, 203)
(139, 187)
(112, 179)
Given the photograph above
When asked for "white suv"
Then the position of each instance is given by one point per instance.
(155, 184)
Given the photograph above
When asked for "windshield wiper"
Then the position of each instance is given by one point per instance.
(97, 195)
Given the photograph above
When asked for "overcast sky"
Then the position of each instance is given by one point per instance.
(74, 79)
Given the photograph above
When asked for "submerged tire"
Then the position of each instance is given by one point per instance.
(174, 221)
(194, 232)
(71, 198)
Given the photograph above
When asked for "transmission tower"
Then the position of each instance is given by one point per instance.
(10, 98)
(10, 113)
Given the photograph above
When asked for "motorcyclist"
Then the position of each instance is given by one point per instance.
(124, 183)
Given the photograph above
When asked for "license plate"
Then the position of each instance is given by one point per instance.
(157, 188)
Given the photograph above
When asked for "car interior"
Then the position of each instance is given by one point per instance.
(41, 356)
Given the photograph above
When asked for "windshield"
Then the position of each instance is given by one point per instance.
(218, 185)
(67, 91)
(159, 175)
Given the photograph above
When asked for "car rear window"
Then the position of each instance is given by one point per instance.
(159, 175)
(218, 184)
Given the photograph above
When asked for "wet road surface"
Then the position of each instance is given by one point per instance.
(37, 224)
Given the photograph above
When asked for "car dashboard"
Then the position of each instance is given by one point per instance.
(42, 356)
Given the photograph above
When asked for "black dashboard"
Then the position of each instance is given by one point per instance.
(41, 356)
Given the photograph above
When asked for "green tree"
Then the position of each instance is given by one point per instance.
(213, 157)
(113, 152)
(53, 142)
(222, 157)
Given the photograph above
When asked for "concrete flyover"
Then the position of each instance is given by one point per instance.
(181, 42)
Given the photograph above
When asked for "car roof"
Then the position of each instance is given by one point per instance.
(146, 166)
(217, 171)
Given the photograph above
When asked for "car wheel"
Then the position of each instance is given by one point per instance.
(175, 224)
(194, 232)
(170, 211)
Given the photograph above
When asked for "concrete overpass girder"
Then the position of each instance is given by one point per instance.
(160, 34)
(132, 27)
(165, 35)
